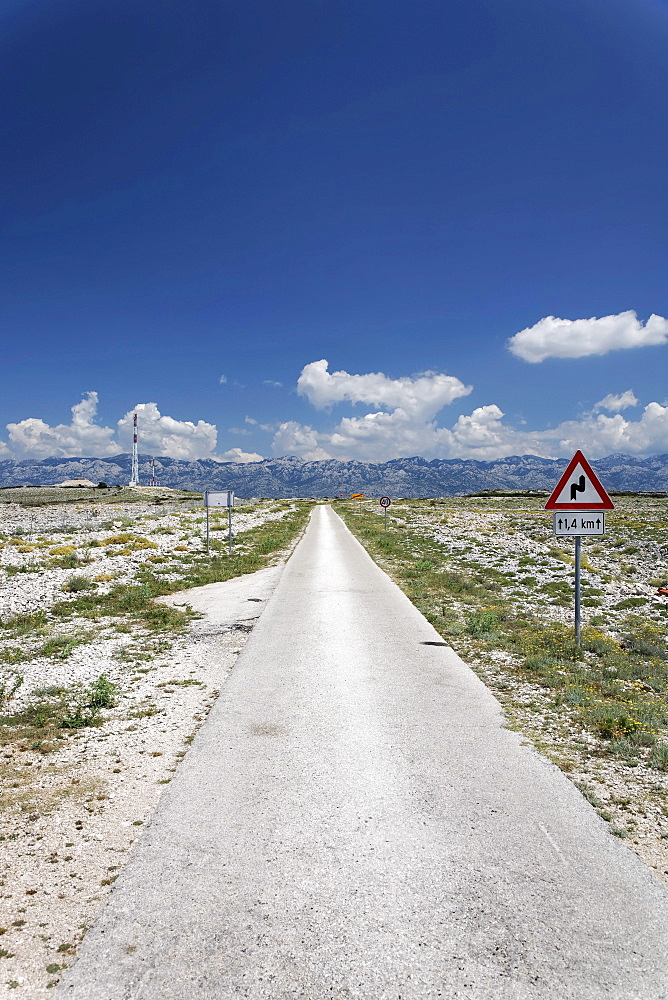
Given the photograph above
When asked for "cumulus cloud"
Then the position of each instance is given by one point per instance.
(421, 396)
(222, 379)
(580, 338)
(603, 435)
(615, 404)
(159, 434)
(163, 435)
(404, 424)
(33, 438)
(411, 428)
(293, 438)
(256, 423)
(237, 455)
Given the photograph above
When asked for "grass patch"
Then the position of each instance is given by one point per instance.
(133, 602)
(61, 646)
(252, 551)
(54, 709)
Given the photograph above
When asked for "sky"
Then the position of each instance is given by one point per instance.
(334, 228)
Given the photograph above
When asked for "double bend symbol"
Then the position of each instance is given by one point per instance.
(578, 487)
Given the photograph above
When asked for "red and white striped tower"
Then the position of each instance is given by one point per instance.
(134, 478)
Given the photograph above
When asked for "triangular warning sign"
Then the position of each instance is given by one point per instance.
(579, 488)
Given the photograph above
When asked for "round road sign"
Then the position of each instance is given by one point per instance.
(384, 501)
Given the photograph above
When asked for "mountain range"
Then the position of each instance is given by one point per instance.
(293, 477)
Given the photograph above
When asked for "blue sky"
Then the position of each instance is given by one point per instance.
(204, 203)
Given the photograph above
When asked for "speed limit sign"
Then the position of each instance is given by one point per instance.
(384, 501)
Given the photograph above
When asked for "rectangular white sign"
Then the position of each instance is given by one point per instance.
(222, 498)
(582, 522)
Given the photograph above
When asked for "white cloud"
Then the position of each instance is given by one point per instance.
(603, 435)
(162, 435)
(239, 430)
(293, 438)
(412, 429)
(581, 338)
(421, 397)
(272, 383)
(479, 431)
(407, 429)
(483, 435)
(159, 435)
(237, 455)
(615, 404)
(33, 438)
(256, 423)
(222, 379)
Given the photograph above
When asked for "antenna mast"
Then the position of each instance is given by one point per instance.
(134, 478)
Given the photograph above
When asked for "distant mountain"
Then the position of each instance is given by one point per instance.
(292, 477)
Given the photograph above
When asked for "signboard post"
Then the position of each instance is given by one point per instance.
(219, 498)
(579, 501)
(385, 503)
(357, 496)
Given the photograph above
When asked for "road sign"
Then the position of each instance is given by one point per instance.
(384, 501)
(221, 498)
(589, 522)
(579, 489)
(357, 496)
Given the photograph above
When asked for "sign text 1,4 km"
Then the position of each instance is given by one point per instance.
(588, 522)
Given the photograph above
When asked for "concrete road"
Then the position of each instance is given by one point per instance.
(353, 822)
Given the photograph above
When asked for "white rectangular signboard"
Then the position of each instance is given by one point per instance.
(582, 522)
(221, 498)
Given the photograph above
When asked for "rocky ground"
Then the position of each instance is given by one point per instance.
(78, 780)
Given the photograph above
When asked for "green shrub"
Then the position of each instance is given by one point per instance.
(61, 646)
(85, 711)
(456, 583)
(10, 682)
(424, 565)
(481, 624)
(102, 694)
(659, 758)
(13, 654)
(75, 584)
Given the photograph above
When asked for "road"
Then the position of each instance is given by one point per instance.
(353, 822)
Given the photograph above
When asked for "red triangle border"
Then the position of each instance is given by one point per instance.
(605, 501)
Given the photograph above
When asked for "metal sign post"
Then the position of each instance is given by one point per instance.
(385, 503)
(578, 544)
(229, 529)
(222, 498)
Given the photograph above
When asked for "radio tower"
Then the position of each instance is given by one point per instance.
(154, 481)
(134, 478)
